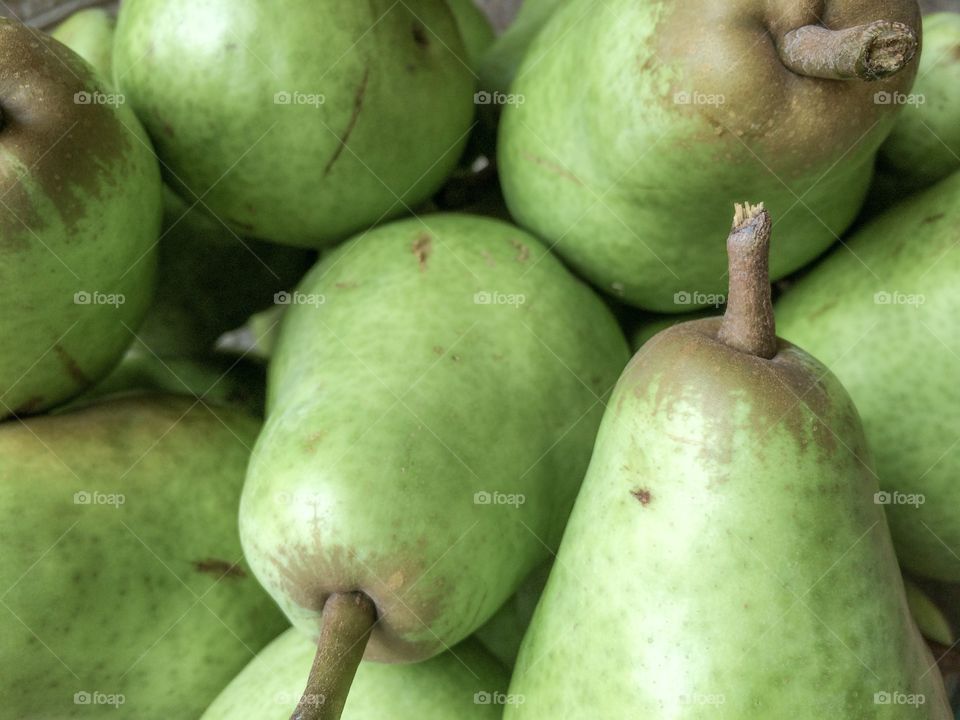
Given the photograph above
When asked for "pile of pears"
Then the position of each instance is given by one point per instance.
(363, 361)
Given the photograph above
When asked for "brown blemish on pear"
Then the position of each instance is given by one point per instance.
(219, 568)
(422, 248)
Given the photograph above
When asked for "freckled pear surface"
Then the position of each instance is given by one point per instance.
(301, 125)
(742, 560)
(122, 569)
(882, 313)
(641, 123)
(433, 400)
(80, 215)
(444, 687)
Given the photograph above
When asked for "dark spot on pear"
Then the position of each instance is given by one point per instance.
(358, 98)
(422, 247)
(29, 406)
(932, 218)
(438, 350)
(523, 252)
(642, 495)
(219, 568)
(73, 368)
(420, 37)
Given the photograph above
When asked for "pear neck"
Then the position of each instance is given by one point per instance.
(748, 323)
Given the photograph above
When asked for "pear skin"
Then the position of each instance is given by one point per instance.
(725, 557)
(638, 125)
(89, 33)
(882, 312)
(78, 224)
(125, 592)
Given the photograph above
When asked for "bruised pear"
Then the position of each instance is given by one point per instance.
(637, 124)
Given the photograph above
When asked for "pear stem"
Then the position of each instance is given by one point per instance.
(748, 323)
(872, 51)
(348, 619)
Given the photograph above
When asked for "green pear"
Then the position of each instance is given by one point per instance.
(125, 594)
(725, 557)
(500, 62)
(210, 280)
(624, 148)
(932, 621)
(78, 223)
(89, 33)
(462, 683)
(475, 29)
(503, 633)
(432, 401)
(299, 125)
(924, 145)
(882, 313)
(217, 379)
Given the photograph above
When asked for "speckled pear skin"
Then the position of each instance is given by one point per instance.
(150, 598)
(883, 316)
(80, 214)
(415, 386)
(924, 145)
(743, 569)
(89, 33)
(634, 195)
(441, 688)
(396, 110)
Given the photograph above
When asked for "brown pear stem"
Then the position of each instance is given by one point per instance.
(748, 324)
(867, 52)
(348, 619)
